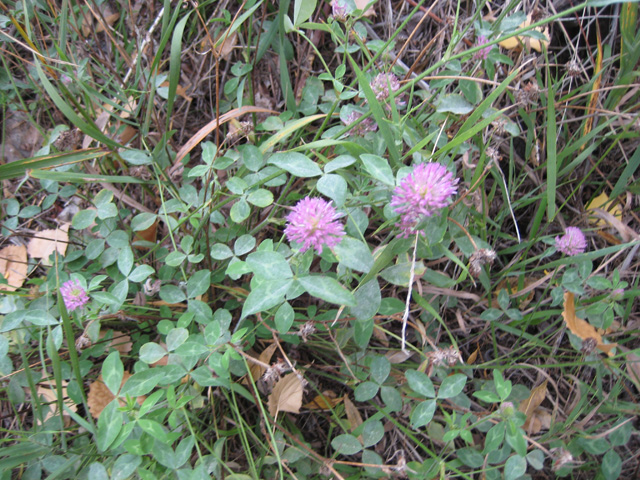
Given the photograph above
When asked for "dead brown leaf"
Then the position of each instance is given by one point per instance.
(180, 90)
(13, 266)
(148, 235)
(100, 396)
(580, 327)
(633, 368)
(361, 4)
(529, 405)
(540, 420)
(325, 401)
(510, 284)
(286, 395)
(48, 241)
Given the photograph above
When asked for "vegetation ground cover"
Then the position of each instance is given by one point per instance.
(310, 239)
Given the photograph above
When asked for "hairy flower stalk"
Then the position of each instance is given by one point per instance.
(573, 242)
(73, 295)
(422, 193)
(313, 223)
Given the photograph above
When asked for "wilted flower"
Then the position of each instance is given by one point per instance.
(482, 54)
(313, 224)
(421, 193)
(339, 10)
(73, 295)
(572, 242)
(479, 258)
(366, 125)
(384, 84)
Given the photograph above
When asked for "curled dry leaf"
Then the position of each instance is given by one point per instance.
(48, 241)
(531, 408)
(325, 401)
(47, 390)
(353, 415)
(13, 266)
(517, 41)
(581, 328)
(256, 370)
(286, 395)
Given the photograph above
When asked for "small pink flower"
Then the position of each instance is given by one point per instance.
(421, 193)
(73, 295)
(482, 54)
(312, 222)
(384, 84)
(573, 242)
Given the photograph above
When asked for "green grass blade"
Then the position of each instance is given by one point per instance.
(19, 168)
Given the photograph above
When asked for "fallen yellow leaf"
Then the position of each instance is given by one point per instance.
(531, 405)
(517, 41)
(600, 202)
(325, 401)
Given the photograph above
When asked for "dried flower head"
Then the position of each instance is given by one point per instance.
(73, 295)
(313, 223)
(573, 242)
(482, 54)
(480, 257)
(562, 457)
(384, 84)
(339, 10)
(421, 194)
(366, 125)
(573, 68)
(306, 330)
(589, 345)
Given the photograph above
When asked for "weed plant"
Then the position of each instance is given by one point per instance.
(303, 239)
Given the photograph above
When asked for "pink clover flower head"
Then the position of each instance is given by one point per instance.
(73, 295)
(367, 125)
(482, 54)
(421, 194)
(384, 84)
(573, 242)
(339, 10)
(312, 222)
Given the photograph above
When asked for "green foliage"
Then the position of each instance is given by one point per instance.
(199, 303)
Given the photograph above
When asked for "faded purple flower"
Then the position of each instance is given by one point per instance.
(572, 242)
(482, 54)
(313, 224)
(421, 193)
(339, 10)
(73, 295)
(384, 84)
(367, 125)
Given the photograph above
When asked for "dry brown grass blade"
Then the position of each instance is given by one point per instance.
(593, 100)
(211, 126)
